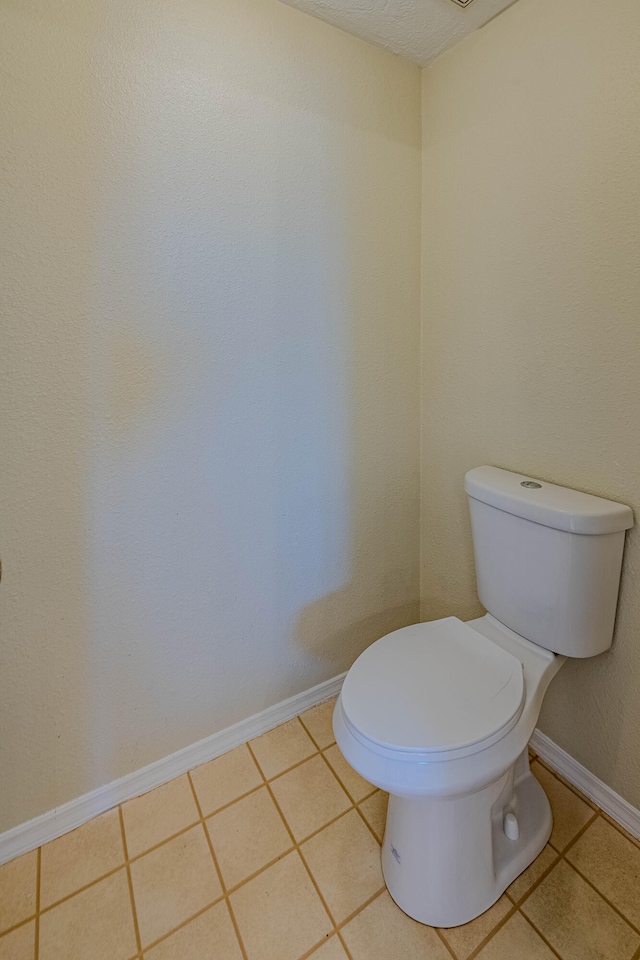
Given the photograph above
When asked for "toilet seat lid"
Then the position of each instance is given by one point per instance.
(434, 688)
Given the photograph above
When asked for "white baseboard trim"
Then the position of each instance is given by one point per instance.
(587, 783)
(32, 834)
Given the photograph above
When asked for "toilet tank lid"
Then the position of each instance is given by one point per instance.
(546, 503)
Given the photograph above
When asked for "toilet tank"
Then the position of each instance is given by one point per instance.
(548, 559)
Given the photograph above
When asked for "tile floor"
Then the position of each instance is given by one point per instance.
(271, 852)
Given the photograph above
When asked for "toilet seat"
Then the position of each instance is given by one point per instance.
(433, 691)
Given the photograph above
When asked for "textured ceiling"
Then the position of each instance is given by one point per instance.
(416, 29)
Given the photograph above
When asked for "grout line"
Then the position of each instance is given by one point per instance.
(636, 955)
(334, 774)
(257, 873)
(603, 897)
(354, 913)
(315, 833)
(299, 852)
(369, 795)
(86, 886)
(218, 870)
(518, 904)
(354, 805)
(344, 786)
(370, 828)
(599, 893)
(329, 823)
(320, 943)
(343, 923)
(16, 926)
(161, 843)
(499, 925)
(565, 783)
(308, 732)
(536, 883)
(617, 826)
(340, 926)
(344, 945)
(322, 751)
(540, 934)
(334, 935)
(294, 766)
(583, 829)
(552, 866)
(130, 882)
(184, 923)
(36, 940)
(225, 806)
(444, 942)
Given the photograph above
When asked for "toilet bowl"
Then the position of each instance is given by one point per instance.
(450, 789)
(439, 714)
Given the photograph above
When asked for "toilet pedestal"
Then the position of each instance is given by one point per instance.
(446, 861)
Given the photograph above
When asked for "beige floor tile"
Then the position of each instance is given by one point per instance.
(309, 796)
(210, 936)
(159, 814)
(279, 913)
(383, 932)
(247, 835)
(568, 785)
(516, 940)
(173, 882)
(374, 811)
(80, 857)
(224, 779)
(620, 829)
(331, 950)
(19, 944)
(570, 813)
(356, 786)
(318, 721)
(612, 864)
(18, 889)
(344, 859)
(522, 884)
(576, 921)
(96, 924)
(465, 939)
(281, 747)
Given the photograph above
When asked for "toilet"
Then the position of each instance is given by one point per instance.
(440, 714)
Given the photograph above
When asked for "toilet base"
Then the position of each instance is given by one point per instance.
(446, 861)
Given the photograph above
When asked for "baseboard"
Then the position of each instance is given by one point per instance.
(587, 783)
(32, 834)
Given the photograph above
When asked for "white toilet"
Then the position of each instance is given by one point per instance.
(439, 714)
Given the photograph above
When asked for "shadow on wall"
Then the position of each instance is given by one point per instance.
(212, 237)
(222, 497)
(220, 483)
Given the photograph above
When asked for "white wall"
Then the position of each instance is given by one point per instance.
(531, 313)
(210, 388)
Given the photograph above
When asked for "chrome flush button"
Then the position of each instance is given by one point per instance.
(531, 485)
